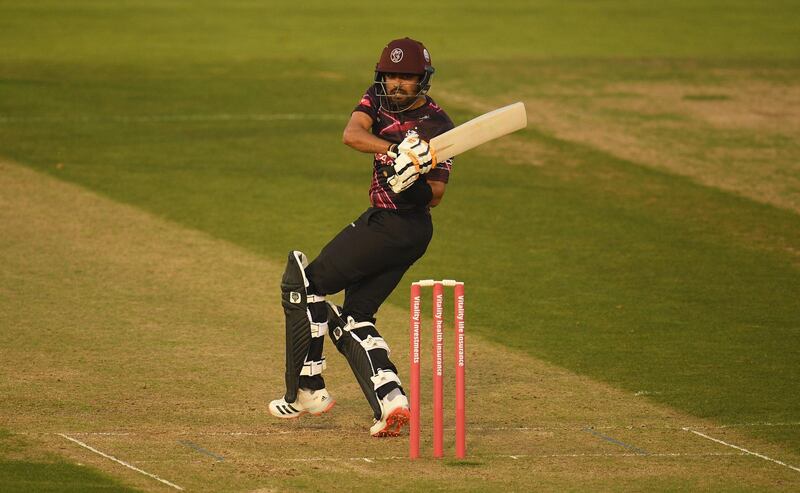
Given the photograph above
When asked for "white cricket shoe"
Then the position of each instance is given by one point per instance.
(316, 402)
(395, 416)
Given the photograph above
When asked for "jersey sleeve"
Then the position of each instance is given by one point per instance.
(442, 170)
(368, 104)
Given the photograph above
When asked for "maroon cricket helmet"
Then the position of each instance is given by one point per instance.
(403, 56)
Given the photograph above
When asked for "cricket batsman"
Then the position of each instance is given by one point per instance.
(394, 121)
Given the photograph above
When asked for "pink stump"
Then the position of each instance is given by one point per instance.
(438, 370)
(461, 417)
(413, 441)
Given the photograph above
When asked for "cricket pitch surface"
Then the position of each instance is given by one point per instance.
(149, 351)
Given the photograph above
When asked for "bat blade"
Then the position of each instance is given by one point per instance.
(480, 130)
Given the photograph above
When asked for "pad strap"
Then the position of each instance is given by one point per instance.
(311, 368)
(383, 377)
(319, 329)
(371, 343)
(314, 298)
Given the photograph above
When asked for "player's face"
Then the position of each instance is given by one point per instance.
(401, 88)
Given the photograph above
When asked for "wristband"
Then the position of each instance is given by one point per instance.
(419, 193)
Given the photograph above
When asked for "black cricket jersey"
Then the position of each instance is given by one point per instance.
(428, 121)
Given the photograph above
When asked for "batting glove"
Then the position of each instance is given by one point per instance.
(421, 150)
(406, 172)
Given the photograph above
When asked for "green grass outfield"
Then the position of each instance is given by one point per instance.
(653, 280)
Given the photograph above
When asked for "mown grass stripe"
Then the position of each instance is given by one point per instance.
(221, 117)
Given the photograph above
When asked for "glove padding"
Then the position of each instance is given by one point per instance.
(406, 172)
(421, 150)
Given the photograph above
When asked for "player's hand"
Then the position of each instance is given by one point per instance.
(421, 150)
(406, 172)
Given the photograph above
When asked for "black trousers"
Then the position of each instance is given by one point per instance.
(368, 258)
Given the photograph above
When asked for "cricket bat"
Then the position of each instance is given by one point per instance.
(480, 130)
(475, 132)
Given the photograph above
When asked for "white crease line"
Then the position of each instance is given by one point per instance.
(633, 427)
(761, 456)
(766, 423)
(623, 454)
(101, 433)
(516, 456)
(129, 466)
(630, 427)
(246, 433)
(167, 433)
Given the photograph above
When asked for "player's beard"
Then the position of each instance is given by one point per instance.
(401, 99)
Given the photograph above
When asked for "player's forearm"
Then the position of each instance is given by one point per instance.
(364, 141)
